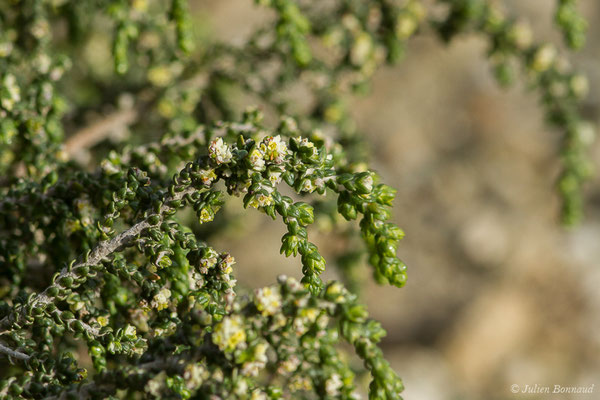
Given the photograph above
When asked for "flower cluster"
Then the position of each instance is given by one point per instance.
(173, 283)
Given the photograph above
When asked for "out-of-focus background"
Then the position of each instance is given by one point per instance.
(498, 293)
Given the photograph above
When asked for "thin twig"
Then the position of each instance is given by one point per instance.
(13, 353)
(101, 251)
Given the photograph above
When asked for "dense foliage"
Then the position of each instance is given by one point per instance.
(108, 283)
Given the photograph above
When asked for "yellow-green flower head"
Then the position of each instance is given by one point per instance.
(406, 25)
(108, 167)
(261, 200)
(306, 144)
(290, 365)
(102, 320)
(160, 75)
(308, 186)
(208, 261)
(226, 263)
(274, 177)
(256, 160)
(195, 279)
(6, 48)
(305, 320)
(160, 300)
(292, 283)
(229, 333)
(155, 385)
(544, 57)
(267, 300)
(333, 385)
(274, 149)
(130, 332)
(362, 49)
(258, 361)
(241, 387)
(258, 394)
(206, 215)
(85, 210)
(579, 85)
(521, 35)
(207, 176)
(219, 151)
(194, 375)
(336, 292)
(13, 92)
(310, 314)
(298, 383)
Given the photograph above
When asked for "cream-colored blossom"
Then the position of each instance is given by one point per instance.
(257, 160)
(12, 90)
(267, 300)
(289, 365)
(219, 151)
(274, 149)
(208, 261)
(226, 264)
(261, 200)
(258, 394)
(194, 374)
(258, 361)
(544, 57)
(207, 176)
(130, 332)
(333, 385)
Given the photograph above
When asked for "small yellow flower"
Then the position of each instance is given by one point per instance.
(310, 314)
(256, 160)
(268, 300)
(102, 320)
(226, 263)
(362, 49)
(160, 300)
(406, 25)
(130, 332)
(274, 149)
(206, 215)
(229, 333)
(194, 375)
(544, 58)
(258, 394)
(160, 76)
(13, 90)
(207, 176)
(261, 200)
(298, 383)
(335, 292)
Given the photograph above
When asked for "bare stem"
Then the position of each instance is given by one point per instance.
(13, 353)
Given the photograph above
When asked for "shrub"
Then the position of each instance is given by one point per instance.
(109, 286)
